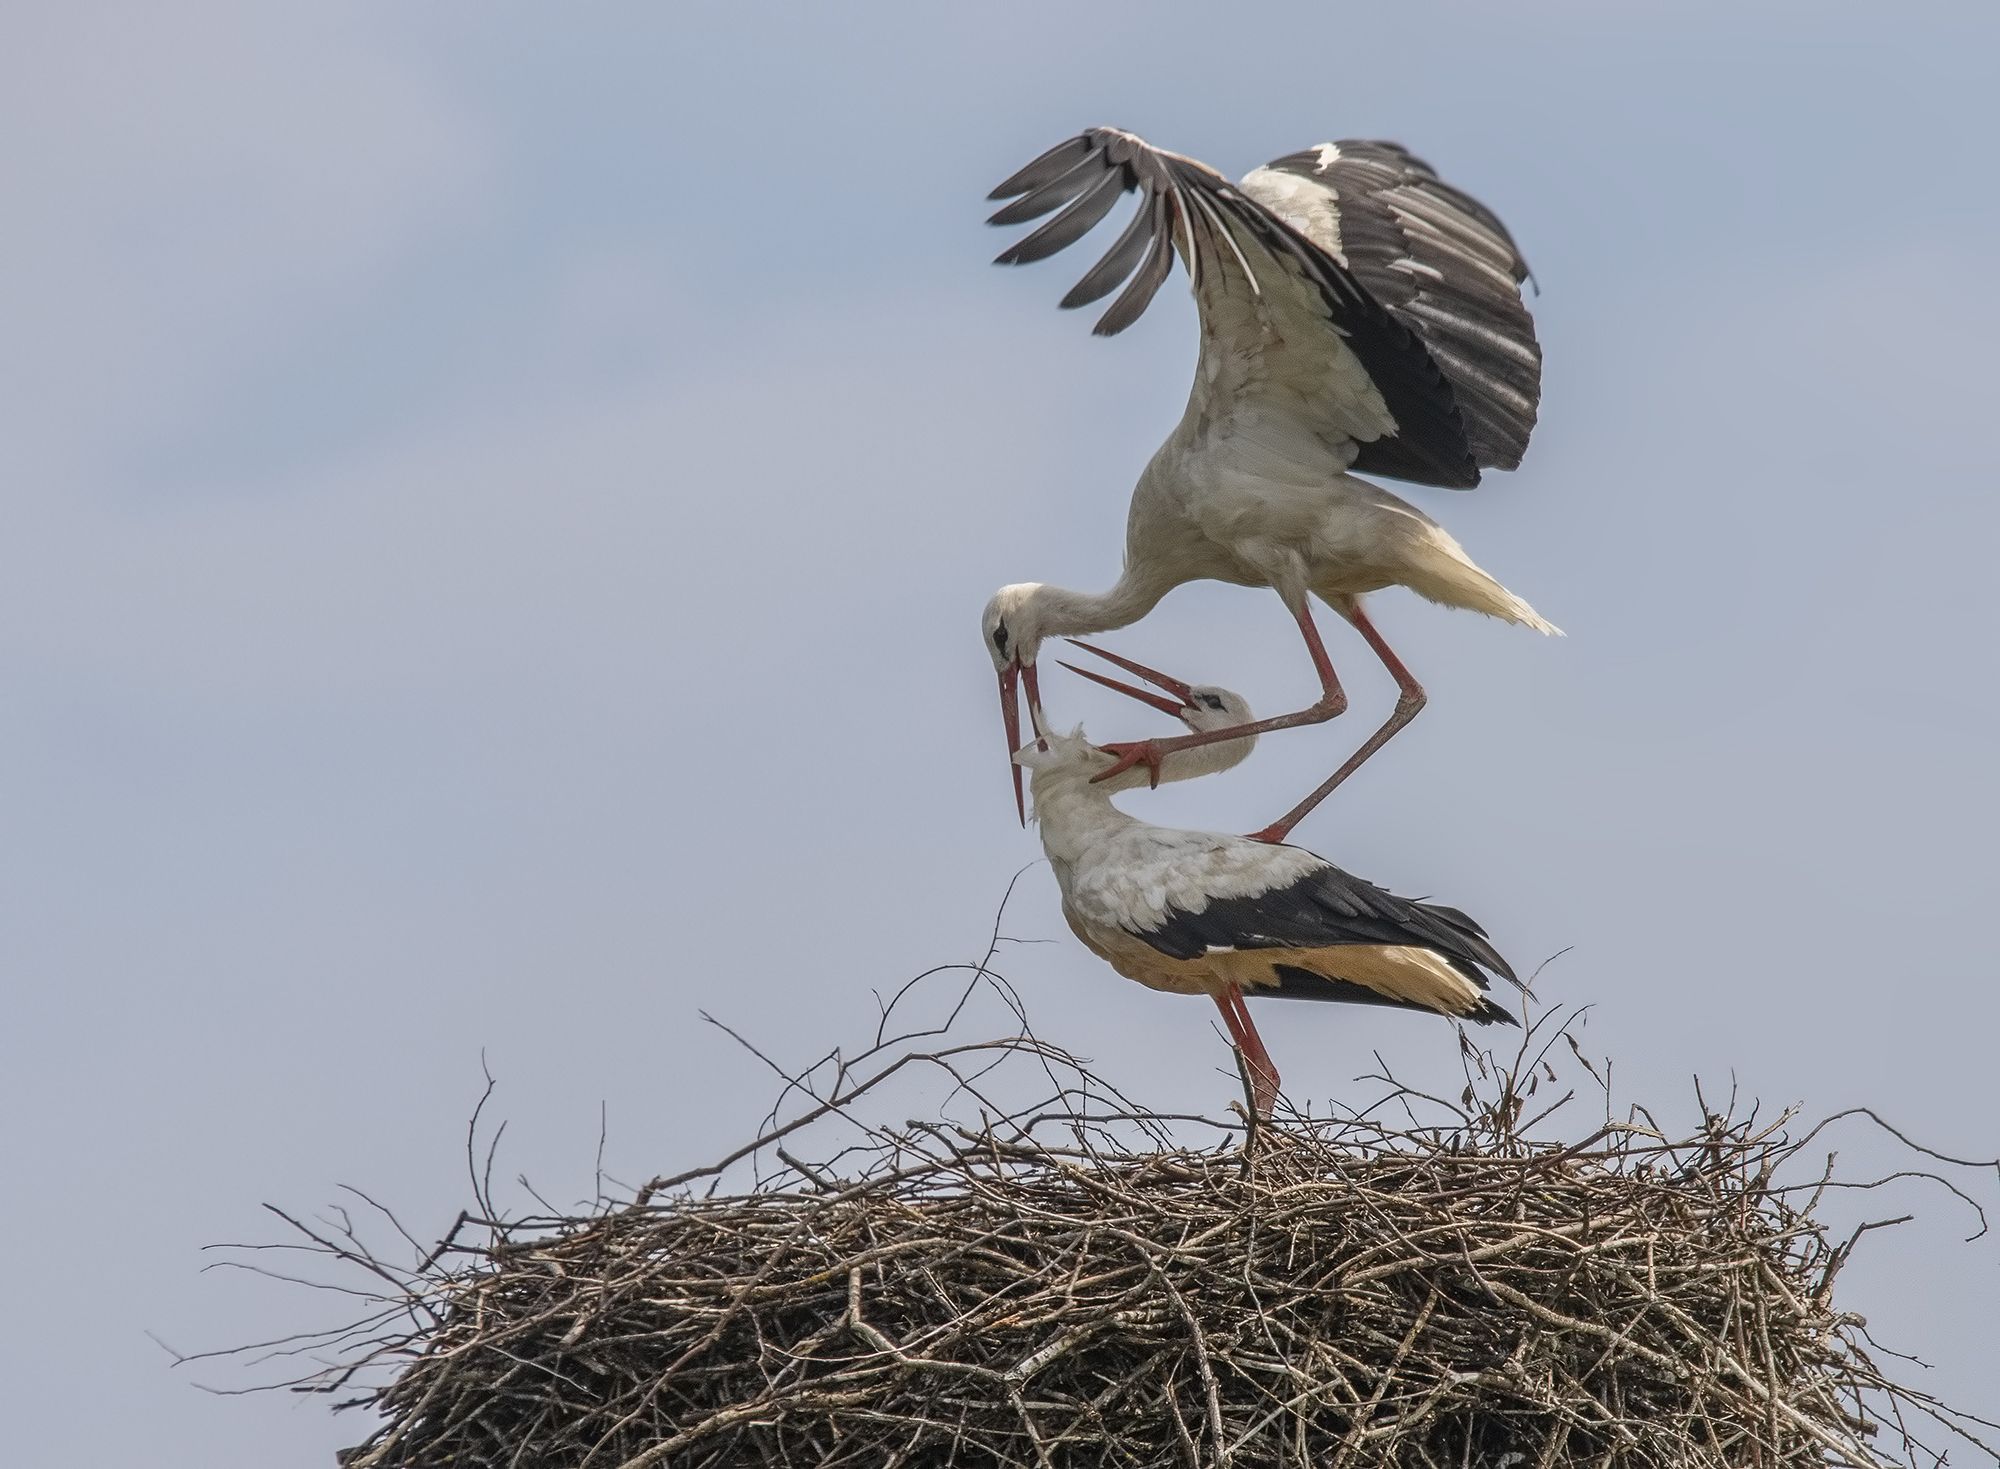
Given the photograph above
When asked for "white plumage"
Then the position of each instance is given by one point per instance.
(1196, 912)
(1357, 313)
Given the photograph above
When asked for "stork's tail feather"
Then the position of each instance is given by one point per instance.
(1478, 592)
(1527, 616)
(1438, 569)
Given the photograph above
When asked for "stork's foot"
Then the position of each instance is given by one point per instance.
(1142, 752)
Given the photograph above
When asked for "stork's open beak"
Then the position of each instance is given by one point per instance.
(1177, 706)
(1011, 679)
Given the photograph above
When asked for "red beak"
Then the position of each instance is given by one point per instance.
(1010, 716)
(1183, 695)
(1011, 678)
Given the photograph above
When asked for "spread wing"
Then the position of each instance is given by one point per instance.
(1441, 261)
(1368, 297)
(1291, 342)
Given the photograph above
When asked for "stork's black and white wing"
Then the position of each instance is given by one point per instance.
(1441, 261)
(1392, 353)
(1318, 916)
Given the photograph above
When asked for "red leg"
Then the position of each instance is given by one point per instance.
(1409, 700)
(1237, 1042)
(1263, 1068)
(1221, 998)
(1250, 1045)
(1331, 702)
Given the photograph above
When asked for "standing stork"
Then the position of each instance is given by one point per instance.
(1357, 314)
(1195, 912)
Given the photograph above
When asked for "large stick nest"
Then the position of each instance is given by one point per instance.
(1082, 1283)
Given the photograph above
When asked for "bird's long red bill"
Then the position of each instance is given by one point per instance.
(1183, 694)
(1011, 679)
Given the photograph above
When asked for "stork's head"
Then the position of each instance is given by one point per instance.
(1071, 762)
(1210, 707)
(1201, 707)
(1013, 637)
(1012, 622)
(1053, 754)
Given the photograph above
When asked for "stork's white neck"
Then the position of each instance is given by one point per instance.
(1185, 765)
(1061, 612)
(1072, 813)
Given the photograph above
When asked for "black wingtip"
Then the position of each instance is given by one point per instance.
(1474, 945)
(1050, 165)
(1488, 1013)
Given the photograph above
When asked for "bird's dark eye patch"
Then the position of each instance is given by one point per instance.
(1214, 701)
(1000, 637)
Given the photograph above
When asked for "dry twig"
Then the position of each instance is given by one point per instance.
(1077, 1282)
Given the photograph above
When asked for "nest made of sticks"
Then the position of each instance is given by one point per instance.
(1079, 1282)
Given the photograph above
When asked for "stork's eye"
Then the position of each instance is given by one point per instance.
(1000, 637)
(1214, 701)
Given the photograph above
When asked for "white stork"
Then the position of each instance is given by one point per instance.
(1195, 912)
(1201, 707)
(1357, 314)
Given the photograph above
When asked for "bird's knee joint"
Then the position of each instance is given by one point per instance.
(1410, 703)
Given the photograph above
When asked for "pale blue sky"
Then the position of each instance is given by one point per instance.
(499, 502)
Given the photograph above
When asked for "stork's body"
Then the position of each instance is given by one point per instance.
(1356, 314)
(1193, 912)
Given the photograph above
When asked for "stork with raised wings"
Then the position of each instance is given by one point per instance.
(1358, 314)
(1195, 912)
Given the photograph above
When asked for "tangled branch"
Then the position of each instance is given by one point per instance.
(1047, 1274)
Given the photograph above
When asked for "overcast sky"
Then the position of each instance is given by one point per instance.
(499, 501)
